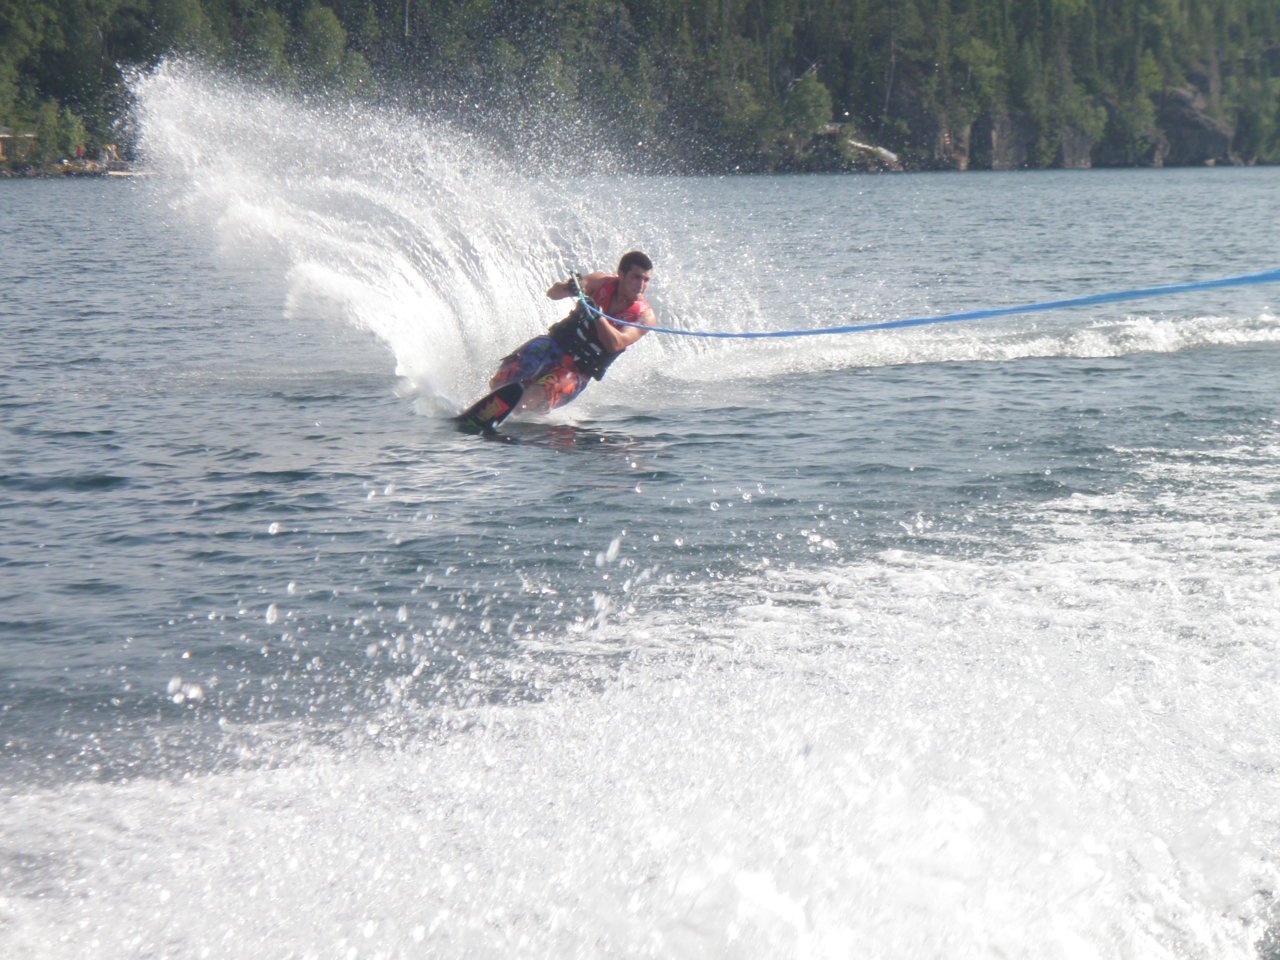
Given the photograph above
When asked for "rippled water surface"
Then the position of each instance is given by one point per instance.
(957, 641)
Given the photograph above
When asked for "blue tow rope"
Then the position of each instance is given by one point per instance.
(1120, 296)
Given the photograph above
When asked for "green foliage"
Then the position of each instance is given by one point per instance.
(1133, 120)
(72, 134)
(322, 44)
(702, 83)
(48, 134)
(807, 108)
(264, 44)
(983, 73)
(1257, 122)
(183, 26)
(366, 31)
(1150, 76)
(22, 28)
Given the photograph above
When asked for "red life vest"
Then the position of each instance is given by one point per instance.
(577, 335)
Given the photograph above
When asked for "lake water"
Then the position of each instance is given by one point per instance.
(957, 641)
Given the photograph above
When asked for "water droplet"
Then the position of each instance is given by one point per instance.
(273, 529)
(273, 613)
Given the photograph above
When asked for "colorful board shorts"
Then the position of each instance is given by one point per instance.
(542, 363)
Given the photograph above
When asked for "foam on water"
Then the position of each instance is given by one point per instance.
(1066, 749)
(1069, 336)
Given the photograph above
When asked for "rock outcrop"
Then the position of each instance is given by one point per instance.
(1192, 136)
(1075, 150)
(1011, 141)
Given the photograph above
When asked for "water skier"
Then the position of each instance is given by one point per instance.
(557, 366)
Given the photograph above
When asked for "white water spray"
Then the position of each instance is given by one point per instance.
(442, 245)
(397, 224)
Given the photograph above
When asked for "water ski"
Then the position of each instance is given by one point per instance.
(485, 414)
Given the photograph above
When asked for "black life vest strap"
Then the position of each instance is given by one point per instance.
(576, 334)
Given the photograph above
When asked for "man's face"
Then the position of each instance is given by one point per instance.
(634, 282)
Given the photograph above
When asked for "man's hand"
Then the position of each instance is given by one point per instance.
(566, 288)
(576, 286)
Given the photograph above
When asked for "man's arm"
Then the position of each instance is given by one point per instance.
(614, 339)
(617, 339)
(591, 285)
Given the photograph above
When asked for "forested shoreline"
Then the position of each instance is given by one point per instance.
(704, 85)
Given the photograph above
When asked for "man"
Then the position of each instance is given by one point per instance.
(556, 367)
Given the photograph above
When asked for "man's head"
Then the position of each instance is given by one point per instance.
(635, 270)
(633, 259)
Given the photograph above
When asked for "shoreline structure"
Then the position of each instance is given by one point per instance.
(880, 163)
(74, 168)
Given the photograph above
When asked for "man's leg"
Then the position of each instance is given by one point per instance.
(528, 362)
(558, 385)
(550, 378)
